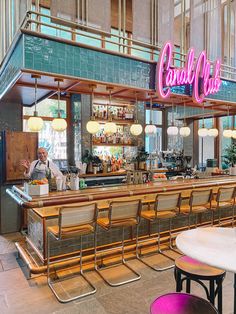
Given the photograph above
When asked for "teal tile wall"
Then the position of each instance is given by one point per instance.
(57, 57)
(12, 67)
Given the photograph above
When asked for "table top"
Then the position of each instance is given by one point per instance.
(213, 246)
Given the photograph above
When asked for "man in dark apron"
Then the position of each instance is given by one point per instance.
(41, 168)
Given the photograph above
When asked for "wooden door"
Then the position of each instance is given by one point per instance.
(18, 146)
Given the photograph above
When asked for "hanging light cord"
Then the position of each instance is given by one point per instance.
(184, 115)
(151, 109)
(228, 118)
(92, 98)
(136, 109)
(172, 114)
(203, 119)
(58, 99)
(35, 94)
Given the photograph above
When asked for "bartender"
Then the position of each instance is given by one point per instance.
(41, 168)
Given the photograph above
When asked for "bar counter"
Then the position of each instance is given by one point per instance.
(43, 212)
(104, 193)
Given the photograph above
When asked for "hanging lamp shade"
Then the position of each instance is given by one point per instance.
(150, 129)
(202, 132)
(110, 128)
(136, 129)
(227, 133)
(184, 131)
(59, 124)
(234, 134)
(172, 130)
(35, 123)
(213, 132)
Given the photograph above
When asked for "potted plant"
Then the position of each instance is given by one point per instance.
(141, 158)
(96, 161)
(88, 160)
(230, 158)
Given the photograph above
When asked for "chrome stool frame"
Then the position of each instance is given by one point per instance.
(74, 221)
(119, 216)
(166, 207)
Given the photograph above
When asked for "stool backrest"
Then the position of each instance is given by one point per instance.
(122, 210)
(170, 201)
(77, 215)
(200, 197)
(225, 194)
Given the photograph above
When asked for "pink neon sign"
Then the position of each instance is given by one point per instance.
(199, 74)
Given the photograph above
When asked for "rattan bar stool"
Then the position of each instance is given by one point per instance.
(166, 206)
(225, 198)
(121, 214)
(181, 303)
(188, 269)
(74, 221)
(199, 202)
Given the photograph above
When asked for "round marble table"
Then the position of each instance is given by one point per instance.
(213, 246)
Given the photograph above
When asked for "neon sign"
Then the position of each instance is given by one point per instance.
(197, 74)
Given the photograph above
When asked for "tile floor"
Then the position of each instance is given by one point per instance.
(19, 295)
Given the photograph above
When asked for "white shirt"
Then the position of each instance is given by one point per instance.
(42, 166)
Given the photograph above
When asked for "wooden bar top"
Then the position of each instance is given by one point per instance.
(121, 191)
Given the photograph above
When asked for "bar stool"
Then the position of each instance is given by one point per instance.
(121, 214)
(166, 206)
(199, 202)
(74, 221)
(181, 303)
(192, 269)
(225, 198)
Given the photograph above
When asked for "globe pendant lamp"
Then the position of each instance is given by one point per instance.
(136, 128)
(172, 130)
(92, 126)
(35, 123)
(150, 129)
(59, 124)
(228, 133)
(213, 132)
(234, 134)
(110, 127)
(184, 130)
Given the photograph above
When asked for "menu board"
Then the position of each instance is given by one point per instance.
(18, 146)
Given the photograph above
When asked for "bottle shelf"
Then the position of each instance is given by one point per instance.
(110, 144)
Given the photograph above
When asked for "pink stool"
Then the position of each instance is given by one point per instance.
(181, 303)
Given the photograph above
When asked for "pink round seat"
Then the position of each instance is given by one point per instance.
(181, 303)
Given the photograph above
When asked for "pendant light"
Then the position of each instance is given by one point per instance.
(150, 129)
(228, 133)
(203, 132)
(92, 126)
(110, 127)
(59, 124)
(184, 130)
(172, 130)
(136, 128)
(35, 123)
(213, 132)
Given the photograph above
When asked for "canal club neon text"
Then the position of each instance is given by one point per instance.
(199, 74)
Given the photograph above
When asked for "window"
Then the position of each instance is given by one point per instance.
(206, 144)
(54, 142)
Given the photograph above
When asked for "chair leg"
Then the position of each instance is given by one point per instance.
(188, 285)
(120, 283)
(141, 259)
(51, 282)
(219, 216)
(170, 238)
(233, 215)
(178, 281)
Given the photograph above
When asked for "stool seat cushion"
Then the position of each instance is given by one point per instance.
(221, 204)
(163, 214)
(195, 209)
(68, 232)
(181, 303)
(194, 267)
(126, 222)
